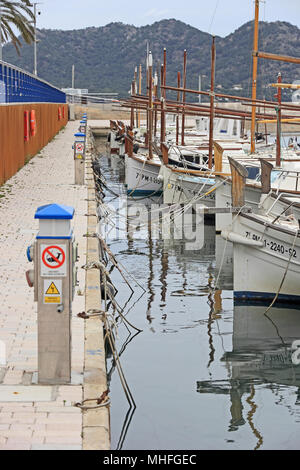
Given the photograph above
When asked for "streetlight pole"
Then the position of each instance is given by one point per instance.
(35, 51)
(35, 39)
(1, 33)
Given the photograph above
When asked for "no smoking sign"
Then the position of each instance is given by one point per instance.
(53, 260)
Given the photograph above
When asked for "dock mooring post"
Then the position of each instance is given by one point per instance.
(54, 278)
(82, 125)
(79, 157)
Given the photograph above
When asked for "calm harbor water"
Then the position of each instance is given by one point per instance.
(204, 372)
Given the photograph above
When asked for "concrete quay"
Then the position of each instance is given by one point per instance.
(33, 416)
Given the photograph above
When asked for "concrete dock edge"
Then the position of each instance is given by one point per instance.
(96, 422)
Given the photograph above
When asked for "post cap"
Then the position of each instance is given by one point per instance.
(79, 134)
(54, 211)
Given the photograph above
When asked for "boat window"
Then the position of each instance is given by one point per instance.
(234, 132)
(275, 175)
(253, 171)
(224, 126)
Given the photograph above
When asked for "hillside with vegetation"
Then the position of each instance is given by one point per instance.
(105, 57)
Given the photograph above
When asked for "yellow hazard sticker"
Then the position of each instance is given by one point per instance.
(52, 291)
(52, 300)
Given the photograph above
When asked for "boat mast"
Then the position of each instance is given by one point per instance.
(162, 103)
(150, 113)
(140, 92)
(132, 107)
(147, 93)
(278, 110)
(183, 98)
(254, 75)
(212, 104)
(155, 94)
(136, 91)
(178, 109)
(165, 72)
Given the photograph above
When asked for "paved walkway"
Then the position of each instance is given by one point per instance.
(33, 416)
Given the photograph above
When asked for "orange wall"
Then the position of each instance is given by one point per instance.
(14, 151)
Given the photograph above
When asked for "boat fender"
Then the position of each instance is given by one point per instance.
(240, 239)
(136, 148)
(26, 126)
(32, 123)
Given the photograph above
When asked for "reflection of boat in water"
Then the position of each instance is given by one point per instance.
(196, 240)
(263, 352)
(224, 264)
(117, 164)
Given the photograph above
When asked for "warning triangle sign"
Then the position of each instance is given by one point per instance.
(52, 289)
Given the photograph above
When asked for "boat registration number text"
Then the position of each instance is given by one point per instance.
(149, 179)
(273, 246)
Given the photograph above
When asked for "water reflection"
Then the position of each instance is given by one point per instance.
(263, 352)
(247, 391)
(224, 263)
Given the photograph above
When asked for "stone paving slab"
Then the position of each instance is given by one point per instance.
(21, 393)
(47, 178)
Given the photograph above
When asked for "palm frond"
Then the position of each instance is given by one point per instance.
(19, 16)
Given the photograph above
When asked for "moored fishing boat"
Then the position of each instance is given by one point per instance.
(183, 184)
(266, 250)
(141, 175)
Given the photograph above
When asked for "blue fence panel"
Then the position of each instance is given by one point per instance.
(18, 86)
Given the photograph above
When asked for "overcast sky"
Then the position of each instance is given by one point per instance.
(220, 17)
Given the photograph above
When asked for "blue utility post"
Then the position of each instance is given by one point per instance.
(54, 278)
(79, 157)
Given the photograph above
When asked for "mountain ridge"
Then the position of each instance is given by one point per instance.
(105, 56)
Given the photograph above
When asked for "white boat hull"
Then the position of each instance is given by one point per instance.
(113, 143)
(252, 199)
(180, 188)
(261, 255)
(141, 177)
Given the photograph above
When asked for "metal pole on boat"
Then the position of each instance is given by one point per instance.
(254, 75)
(150, 114)
(278, 134)
(177, 116)
(183, 97)
(212, 104)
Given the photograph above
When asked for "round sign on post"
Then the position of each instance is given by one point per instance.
(53, 260)
(79, 147)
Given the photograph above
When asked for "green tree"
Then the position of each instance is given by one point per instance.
(16, 18)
